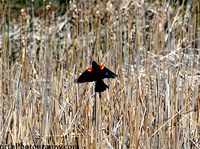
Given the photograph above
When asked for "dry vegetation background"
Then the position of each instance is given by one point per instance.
(153, 46)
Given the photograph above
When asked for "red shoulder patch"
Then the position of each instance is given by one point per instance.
(89, 69)
(101, 66)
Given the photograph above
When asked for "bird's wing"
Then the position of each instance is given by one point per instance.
(106, 73)
(86, 76)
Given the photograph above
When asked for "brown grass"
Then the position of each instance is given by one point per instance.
(153, 47)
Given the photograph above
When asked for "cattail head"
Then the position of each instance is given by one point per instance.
(23, 12)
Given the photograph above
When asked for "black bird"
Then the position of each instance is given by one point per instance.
(96, 73)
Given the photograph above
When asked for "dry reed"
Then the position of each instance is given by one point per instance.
(153, 47)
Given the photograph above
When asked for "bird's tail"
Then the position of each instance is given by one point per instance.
(100, 86)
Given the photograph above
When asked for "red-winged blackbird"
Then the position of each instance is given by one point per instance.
(96, 73)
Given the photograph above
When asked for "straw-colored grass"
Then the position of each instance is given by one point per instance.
(153, 47)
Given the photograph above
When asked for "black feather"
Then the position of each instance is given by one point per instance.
(96, 73)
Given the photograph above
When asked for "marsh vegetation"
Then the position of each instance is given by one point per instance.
(153, 46)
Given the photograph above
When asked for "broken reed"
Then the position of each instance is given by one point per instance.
(154, 104)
